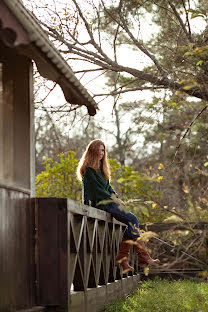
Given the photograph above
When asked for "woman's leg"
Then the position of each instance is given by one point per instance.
(124, 248)
(128, 218)
(131, 233)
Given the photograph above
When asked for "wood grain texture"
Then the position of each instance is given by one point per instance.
(15, 253)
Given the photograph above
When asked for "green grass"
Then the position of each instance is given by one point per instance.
(164, 296)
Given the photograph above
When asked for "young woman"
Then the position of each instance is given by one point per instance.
(93, 171)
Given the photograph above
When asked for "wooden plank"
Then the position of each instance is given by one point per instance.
(31, 230)
(7, 121)
(111, 290)
(90, 211)
(21, 103)
(101, 297)
(93, 300)
(14, 250)
(63, 252)
(117, 289)
(32, 152)
(90, 300)
(51, 254)
(77, 302)
(16, 188)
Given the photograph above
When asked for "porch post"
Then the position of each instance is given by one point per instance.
(16, 120)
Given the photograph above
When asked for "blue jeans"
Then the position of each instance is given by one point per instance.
(128, 218)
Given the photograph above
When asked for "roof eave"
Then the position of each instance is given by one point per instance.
(49, 61)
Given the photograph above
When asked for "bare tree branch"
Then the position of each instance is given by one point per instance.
(187, 18)
(188, 35)
(98, 48)
(114, 43)
(128, 90)
(103, 61)
(188, 129)
(138, 44)
(88, 70)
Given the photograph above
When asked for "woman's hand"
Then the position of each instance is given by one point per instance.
(117, 201)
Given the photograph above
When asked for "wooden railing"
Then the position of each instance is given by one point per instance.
(75, 251)
(60, 255)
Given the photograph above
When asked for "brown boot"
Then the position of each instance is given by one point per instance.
(144, 258)
(122, 257)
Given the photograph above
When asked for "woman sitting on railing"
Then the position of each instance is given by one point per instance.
(93, 171)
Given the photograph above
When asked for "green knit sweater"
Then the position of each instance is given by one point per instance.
(95, 187)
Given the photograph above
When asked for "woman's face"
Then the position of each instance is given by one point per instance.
(101, 152)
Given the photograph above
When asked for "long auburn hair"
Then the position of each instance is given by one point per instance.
(90, 159)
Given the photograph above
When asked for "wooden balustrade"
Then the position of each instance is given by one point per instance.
(60, 255)
(75, 253)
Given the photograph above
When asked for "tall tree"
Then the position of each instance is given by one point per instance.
(96, 32)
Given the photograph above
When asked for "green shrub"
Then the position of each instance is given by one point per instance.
(59, 180)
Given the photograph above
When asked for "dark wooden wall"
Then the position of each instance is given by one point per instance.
(16, 265)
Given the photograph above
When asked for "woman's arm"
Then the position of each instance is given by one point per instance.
(111, 190)
(117, 200)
